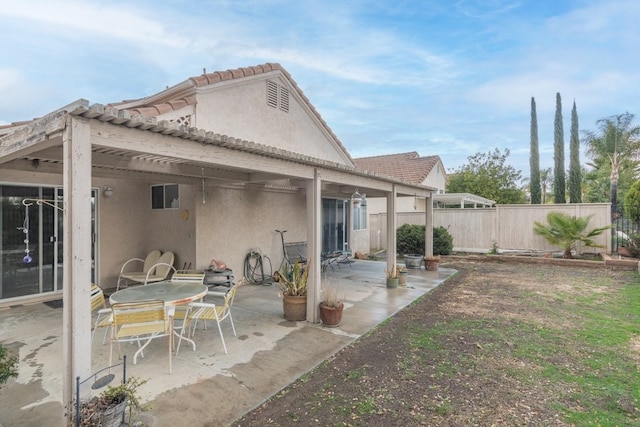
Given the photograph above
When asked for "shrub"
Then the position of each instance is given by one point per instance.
(410, 240)
(442, 241)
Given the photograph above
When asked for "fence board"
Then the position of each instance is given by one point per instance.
(510, 226)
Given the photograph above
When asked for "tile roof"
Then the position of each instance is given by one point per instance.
(408, 167)
(152, 109)
(149, 110)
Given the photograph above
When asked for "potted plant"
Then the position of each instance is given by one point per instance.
(392, 277)
(108, 408)
(293, 288)
(331, 307)
(431, 262)
(402, 274)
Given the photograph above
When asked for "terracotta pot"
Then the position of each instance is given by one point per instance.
(331, 316)
(431, 265)
(624, 251)
(295, 308)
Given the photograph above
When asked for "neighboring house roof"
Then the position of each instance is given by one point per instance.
(408, 167)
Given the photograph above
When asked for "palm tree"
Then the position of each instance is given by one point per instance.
(566, 231)
(617, 144)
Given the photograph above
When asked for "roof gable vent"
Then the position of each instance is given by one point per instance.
(277, 96)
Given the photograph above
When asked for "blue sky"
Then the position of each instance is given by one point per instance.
(443, 77)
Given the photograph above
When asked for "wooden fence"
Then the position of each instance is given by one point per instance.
(509, 226)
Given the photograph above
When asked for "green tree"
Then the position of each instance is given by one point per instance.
(566, 231)
(546, 183)
(534, 157)
(575, 173)
(632, 202)
(558, 155)
(487, 175)
(613, 149)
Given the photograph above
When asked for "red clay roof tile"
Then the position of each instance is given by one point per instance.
(408, 167)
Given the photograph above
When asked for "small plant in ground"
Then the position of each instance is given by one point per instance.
(494, 248)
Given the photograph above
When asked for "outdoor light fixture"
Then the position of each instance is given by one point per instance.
(356, 199)
(108, 191)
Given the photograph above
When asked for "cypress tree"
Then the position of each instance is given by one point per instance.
(558, 155)
(575, 175)
(534, 157)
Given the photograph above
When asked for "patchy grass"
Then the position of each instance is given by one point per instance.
(498, 345)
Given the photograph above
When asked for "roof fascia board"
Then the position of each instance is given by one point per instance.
(180, 90)
(128, 139)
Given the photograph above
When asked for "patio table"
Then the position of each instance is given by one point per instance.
(172, 294)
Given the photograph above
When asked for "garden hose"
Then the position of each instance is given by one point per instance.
(254, 268)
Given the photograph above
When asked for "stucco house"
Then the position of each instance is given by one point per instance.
(412, 168)
(208, 168)
(408, 167)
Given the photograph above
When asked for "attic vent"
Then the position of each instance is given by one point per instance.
(272, 94)
(284, 99)
(277, 96)
(183, 121)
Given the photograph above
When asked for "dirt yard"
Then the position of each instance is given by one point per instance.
(465, 354)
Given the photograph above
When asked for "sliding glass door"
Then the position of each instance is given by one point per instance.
(334, 237)
(32, 246)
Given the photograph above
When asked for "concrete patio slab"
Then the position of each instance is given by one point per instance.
(207, 387)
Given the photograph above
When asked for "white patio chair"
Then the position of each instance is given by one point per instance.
(208, 311)
(138, 276)
(140, 322)
(160, 271)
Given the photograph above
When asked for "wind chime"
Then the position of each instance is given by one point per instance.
(27, 259)
(25, 229)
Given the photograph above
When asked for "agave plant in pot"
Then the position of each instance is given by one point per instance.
(331, 307)
(293, 289)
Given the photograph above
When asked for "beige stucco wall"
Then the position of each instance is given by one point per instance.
(129, 228)
(436, 178)
(233, 221)
(241, 111)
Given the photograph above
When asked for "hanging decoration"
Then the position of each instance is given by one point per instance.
(356, 199)
(25, 229)
(27, 259)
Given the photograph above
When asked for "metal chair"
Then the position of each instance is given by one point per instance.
(138, 276)
(207, 311)
(141, 322)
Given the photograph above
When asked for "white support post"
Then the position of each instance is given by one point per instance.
(428, 230)
(392, 225)
(76, 323)
(314, 248)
